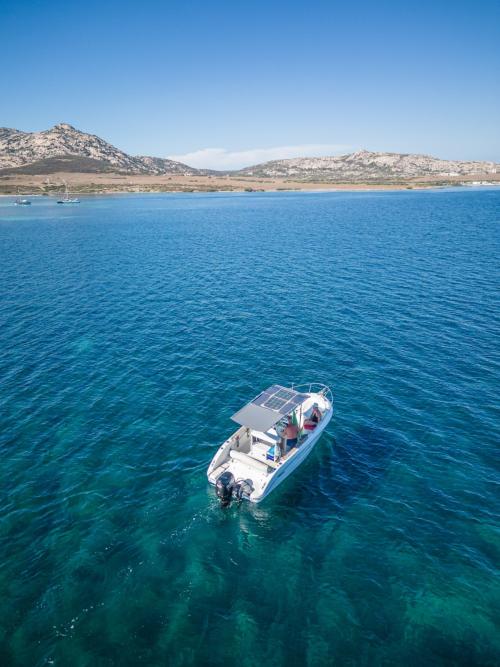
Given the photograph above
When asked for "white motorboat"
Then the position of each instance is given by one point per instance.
(67, 199)
(258, 456)
(20, 201)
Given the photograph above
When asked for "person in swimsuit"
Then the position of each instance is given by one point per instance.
(290, 435)
(316, 414)
(311, 422)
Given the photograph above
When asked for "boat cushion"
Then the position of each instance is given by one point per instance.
(265, 437)
(248, 460)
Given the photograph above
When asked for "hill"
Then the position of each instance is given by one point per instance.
(64, 149)
(365, 166)
(19, 149)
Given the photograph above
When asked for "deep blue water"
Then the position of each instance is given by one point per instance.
(132, 327)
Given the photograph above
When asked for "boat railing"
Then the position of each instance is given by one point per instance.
(315, 388)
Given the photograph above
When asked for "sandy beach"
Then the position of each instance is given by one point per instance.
(85, 183)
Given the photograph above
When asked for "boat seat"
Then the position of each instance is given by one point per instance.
(267, 438)
(248, 460)
(219, 470)
(259, 450)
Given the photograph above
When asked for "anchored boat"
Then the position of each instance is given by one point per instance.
(278, 430)
(67, 199)
(20, 201)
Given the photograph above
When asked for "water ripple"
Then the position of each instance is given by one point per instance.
(131, 328)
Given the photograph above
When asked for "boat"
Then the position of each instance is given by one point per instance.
(21, 201)
(255, 459)
(67, 199)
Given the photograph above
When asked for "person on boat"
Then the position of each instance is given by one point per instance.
(316, 415)
(313, 420)
(290, 434)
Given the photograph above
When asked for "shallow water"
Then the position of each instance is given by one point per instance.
(132, 327)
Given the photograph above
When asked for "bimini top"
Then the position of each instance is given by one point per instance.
(269, 407)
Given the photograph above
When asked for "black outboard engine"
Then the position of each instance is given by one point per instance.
(227, 488)
(224, 487)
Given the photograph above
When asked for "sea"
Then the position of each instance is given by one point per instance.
(133, 326)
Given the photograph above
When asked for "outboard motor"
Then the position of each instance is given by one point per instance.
(224, 487)
(243, 486)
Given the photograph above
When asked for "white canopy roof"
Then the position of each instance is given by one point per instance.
(269, 407)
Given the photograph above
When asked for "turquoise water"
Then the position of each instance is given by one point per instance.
(132, 327)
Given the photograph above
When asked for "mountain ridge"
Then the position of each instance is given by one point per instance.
(63, 147)
(18, 149)
(369, 165)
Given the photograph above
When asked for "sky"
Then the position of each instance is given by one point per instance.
(228, 84)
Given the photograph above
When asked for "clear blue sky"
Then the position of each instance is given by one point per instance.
(175, 78)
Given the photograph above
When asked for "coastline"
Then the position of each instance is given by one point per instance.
(304, 190)
(116, 183)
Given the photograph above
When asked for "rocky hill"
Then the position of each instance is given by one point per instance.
(63, 148)
(20, 149)
(364, 166)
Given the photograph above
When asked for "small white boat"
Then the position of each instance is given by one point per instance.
(67, 199)
(20, 201)
(257, 458)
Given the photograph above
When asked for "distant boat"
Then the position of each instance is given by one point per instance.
(67, 199)
(22, 202)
